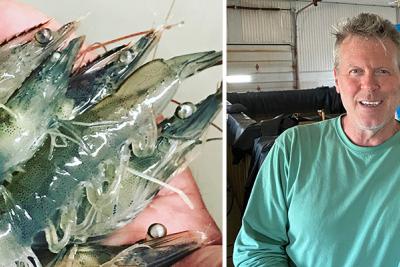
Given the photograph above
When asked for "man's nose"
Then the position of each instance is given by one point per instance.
(369, 81)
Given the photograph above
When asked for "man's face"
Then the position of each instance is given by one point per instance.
(368, 80)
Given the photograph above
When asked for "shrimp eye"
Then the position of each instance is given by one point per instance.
(157, 230)
(126, 56)
(44, 36)
(185, 110)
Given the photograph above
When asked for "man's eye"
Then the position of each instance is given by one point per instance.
(383, 71)
(355, 71)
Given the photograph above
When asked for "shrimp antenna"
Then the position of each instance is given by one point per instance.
(103, 45)
(214, 139)
(180, 193)
(216, 127)
(169, 11)
(97, 45)
(81, 18)
(165, 23)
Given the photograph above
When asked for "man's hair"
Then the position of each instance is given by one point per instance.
(366, 25)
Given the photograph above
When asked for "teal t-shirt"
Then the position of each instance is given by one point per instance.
(319, 201)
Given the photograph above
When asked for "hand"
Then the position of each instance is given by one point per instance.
(15, 18)
(169, 209)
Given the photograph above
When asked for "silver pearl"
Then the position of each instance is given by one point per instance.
(44, 36)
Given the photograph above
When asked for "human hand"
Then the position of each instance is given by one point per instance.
(16, 17)
(168, 209)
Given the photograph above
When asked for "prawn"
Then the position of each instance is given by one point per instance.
(144, 176)
(103, 76)
(22, 54)
(46, 195)
(160, 251)
(28, 116)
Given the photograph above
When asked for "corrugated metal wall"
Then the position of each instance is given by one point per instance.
(259, 44)
(248, 29)
(269, 65)
(258, 26)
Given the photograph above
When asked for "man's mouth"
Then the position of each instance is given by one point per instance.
(370, 104)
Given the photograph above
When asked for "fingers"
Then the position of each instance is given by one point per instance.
(16, 17)
(210, 256)
(168, 208)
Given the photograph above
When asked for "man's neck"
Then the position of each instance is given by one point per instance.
(366, 137)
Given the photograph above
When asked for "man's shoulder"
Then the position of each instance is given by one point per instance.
(321, 128)
(308, 139)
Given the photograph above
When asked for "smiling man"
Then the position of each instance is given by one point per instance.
(328, 193)
(367, 77)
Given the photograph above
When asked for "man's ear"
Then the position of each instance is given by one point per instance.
(336, 80)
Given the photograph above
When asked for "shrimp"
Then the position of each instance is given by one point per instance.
(178, 136)
(20, 56)
(46, 195)
(157, 252)
(166, 76)
(29, 114)
(144, 176)
(103, 76)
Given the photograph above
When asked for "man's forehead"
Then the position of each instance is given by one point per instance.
(361, 51)
(368, 41)
(373, 46)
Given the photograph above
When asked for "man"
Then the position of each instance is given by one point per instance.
(328, 193)
(167, 207)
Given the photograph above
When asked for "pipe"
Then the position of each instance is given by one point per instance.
(294, 50)
(258, 8)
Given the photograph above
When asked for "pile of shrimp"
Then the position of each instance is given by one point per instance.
(81, 153)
